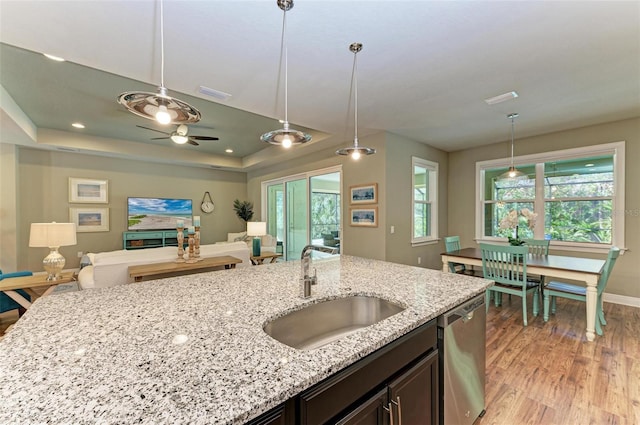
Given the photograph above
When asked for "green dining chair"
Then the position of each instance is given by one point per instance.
(452, 243)
(537, 247)
(507, 267)
(555, 289)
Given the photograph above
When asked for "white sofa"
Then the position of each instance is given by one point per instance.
(111, 268)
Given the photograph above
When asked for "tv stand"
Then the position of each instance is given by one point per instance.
(152, 239)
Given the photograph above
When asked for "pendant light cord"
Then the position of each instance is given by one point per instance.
(161, 43)
(283, 49)
(355, 97)
(512, 125)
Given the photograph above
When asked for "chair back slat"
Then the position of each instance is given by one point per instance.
(452, 243)
(614, 252)
(505, 264)
(537, 246)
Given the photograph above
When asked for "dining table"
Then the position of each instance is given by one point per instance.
(581, 269)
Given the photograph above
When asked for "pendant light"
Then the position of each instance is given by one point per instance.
(285, 137)
(355, 151)
(159, 106)
(512, 173)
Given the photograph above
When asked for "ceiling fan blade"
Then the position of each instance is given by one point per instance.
(203, 138)
(153, 129)
(191, 142)
(159, 138)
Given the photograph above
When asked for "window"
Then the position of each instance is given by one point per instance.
(577, 196)
(424, 223)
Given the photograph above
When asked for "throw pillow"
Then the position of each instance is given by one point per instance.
(236, 237)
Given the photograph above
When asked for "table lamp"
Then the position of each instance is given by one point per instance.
(53, 235)
(256, 229)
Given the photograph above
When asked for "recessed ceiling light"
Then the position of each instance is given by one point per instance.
(229, 150)
(53, 58)
(77, 125)
(501, 98)
(589, 165)
(214, 93)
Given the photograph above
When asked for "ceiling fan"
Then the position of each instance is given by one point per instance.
(180, 136)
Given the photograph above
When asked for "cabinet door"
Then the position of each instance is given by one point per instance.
(371, 412)
(416, 393)
(276, 416)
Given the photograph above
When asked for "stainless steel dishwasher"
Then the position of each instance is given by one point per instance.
(461, 342)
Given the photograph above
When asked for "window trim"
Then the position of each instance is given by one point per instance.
(434, 170)
(617, 149)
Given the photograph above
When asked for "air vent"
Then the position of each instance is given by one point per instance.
(214, 93)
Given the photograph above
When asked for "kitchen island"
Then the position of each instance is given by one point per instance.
(192, 349)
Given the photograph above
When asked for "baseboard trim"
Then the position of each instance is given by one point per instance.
(621, 299)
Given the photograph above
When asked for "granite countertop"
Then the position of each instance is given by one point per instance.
(191, 349)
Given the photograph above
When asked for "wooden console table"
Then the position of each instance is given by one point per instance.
(29, 283)
(261, 259)
(156, 269)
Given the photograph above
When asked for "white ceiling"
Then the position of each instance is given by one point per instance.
(424, 72)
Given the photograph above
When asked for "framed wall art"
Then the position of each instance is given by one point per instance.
(90, 219)
(88, 191)
(364, 194)
(364, 216)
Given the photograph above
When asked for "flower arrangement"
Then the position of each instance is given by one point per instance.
(512, 221)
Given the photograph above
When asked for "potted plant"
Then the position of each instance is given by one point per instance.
(243, 209)
(512, 221)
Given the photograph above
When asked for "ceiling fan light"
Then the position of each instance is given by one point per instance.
(179, 139)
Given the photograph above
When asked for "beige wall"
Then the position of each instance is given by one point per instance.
(43, 179)
(625, 277)
(390, 168)
(398, 202)
(8, 208)
(359, 241)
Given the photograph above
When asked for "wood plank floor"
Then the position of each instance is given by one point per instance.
(547, 373)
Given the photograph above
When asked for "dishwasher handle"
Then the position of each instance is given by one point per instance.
(464, 312)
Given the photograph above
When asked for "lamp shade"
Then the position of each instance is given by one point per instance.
(256, 228)
(52, 234)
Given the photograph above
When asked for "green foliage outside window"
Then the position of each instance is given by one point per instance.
(578, 200)
(325, 213)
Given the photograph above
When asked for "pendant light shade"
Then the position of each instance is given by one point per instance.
(285, 137)
(355, 151)
(159, 106)
(512, 173)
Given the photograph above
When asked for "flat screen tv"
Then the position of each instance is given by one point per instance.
(158, 213)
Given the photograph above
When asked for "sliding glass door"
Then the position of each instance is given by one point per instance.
(303, 209)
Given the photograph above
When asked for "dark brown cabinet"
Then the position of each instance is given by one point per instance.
(399, 379)
(407, 400)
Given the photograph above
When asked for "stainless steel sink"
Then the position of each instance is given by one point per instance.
(327, 321)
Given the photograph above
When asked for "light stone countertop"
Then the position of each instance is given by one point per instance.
(119, 356)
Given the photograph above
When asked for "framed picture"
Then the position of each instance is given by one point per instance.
(90, 219)
(364, 216)
(88, 191)
(364, 194)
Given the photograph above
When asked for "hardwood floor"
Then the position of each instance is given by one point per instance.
(547, 373)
